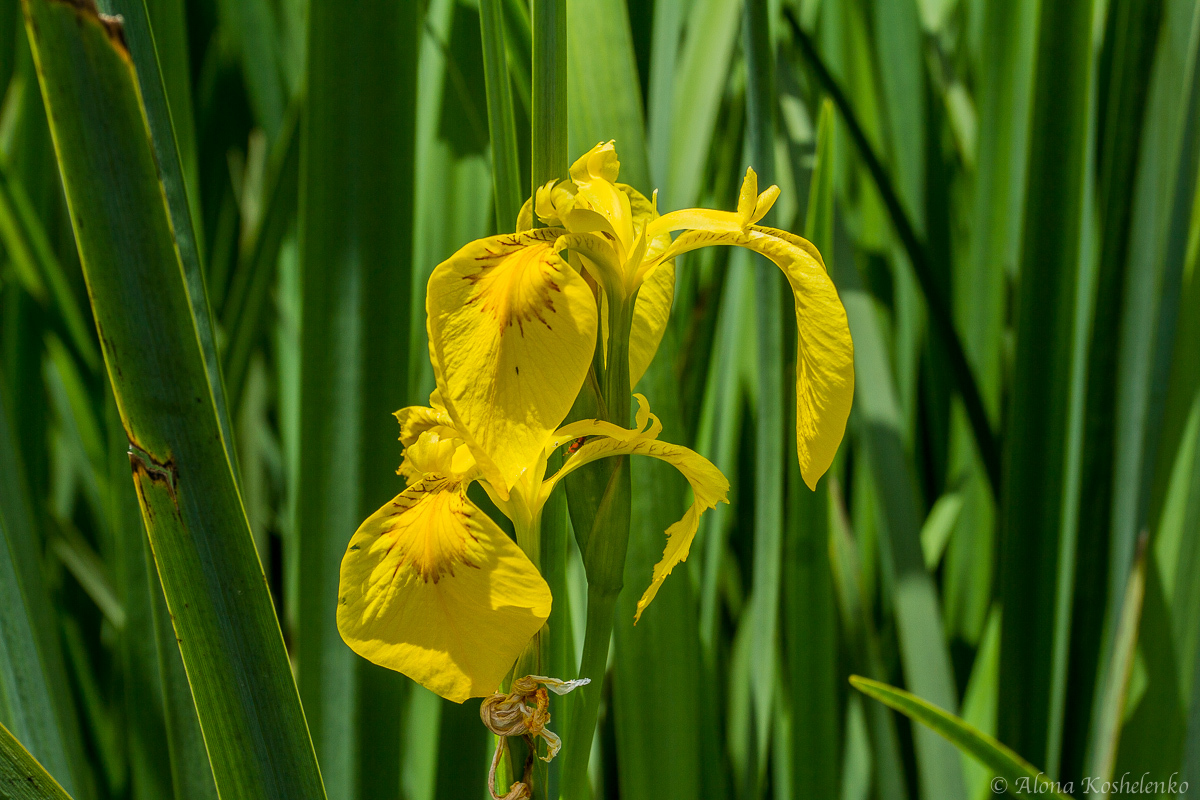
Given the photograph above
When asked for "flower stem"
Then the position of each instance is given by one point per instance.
(601, 605)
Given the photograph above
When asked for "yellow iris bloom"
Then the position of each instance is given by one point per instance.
(513, 326)
(433, 588)
(430, 586)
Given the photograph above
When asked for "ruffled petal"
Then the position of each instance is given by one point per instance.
(709, 486)
(415, 420)
(595, 177)
(432, 588)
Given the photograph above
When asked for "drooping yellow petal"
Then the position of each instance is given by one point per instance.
(512, 328)
(709, 486)
(824, 350)
(432, 588)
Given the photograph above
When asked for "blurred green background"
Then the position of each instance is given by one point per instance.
(1005, 194)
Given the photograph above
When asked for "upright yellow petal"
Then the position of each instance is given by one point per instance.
(709, 486)
(651, 311)
(824, 350)
(512, 328)
(595, 177)
(415, 420)
(432, 588)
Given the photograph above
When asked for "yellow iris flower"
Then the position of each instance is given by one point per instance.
(430, 586)
(433, 588)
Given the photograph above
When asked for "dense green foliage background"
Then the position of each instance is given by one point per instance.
(1004, 192)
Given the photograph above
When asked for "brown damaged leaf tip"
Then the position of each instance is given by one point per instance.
(113, 24)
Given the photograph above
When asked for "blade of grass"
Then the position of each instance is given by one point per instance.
(246, 699)
(1023, 779)
(897, 52)
(242, 313)
(979, 703)
(34, 694)
(28, 248)
(923, 652)
(1160, 211)
(717, 437)
(865, 650)
(355, 223)
(700, 79)
(191, 769)
(935, 296)
(809, 622)
(1154, 734)
(1003, 94)
(604, 95)
(21, 776)
(169, 25)
(551, 154)
(518, 43)
(1176, 474)
(254, 25)
(141, 45)
(1122, 73)
(502, 125)
(1110, 707)
(770, 469)
(660, 100)
(1037, 549)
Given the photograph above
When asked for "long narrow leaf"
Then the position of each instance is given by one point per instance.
(21, 776)
(1020, 777)
(141, 44)
(1037, 487)
(808, 629)
(223, 617)
(502, 126)
(923, 651)
(356, 223)
(34, 692)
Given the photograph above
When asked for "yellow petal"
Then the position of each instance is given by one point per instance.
(651, 311)
(753, 206)
(709, 486)
(512, 329)
(432, 588)
(824, 350)
(525, 216)
(597, 257)
(653, 306)
(439, 450)
(415, 420)
(748, 196)
(594, 175)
